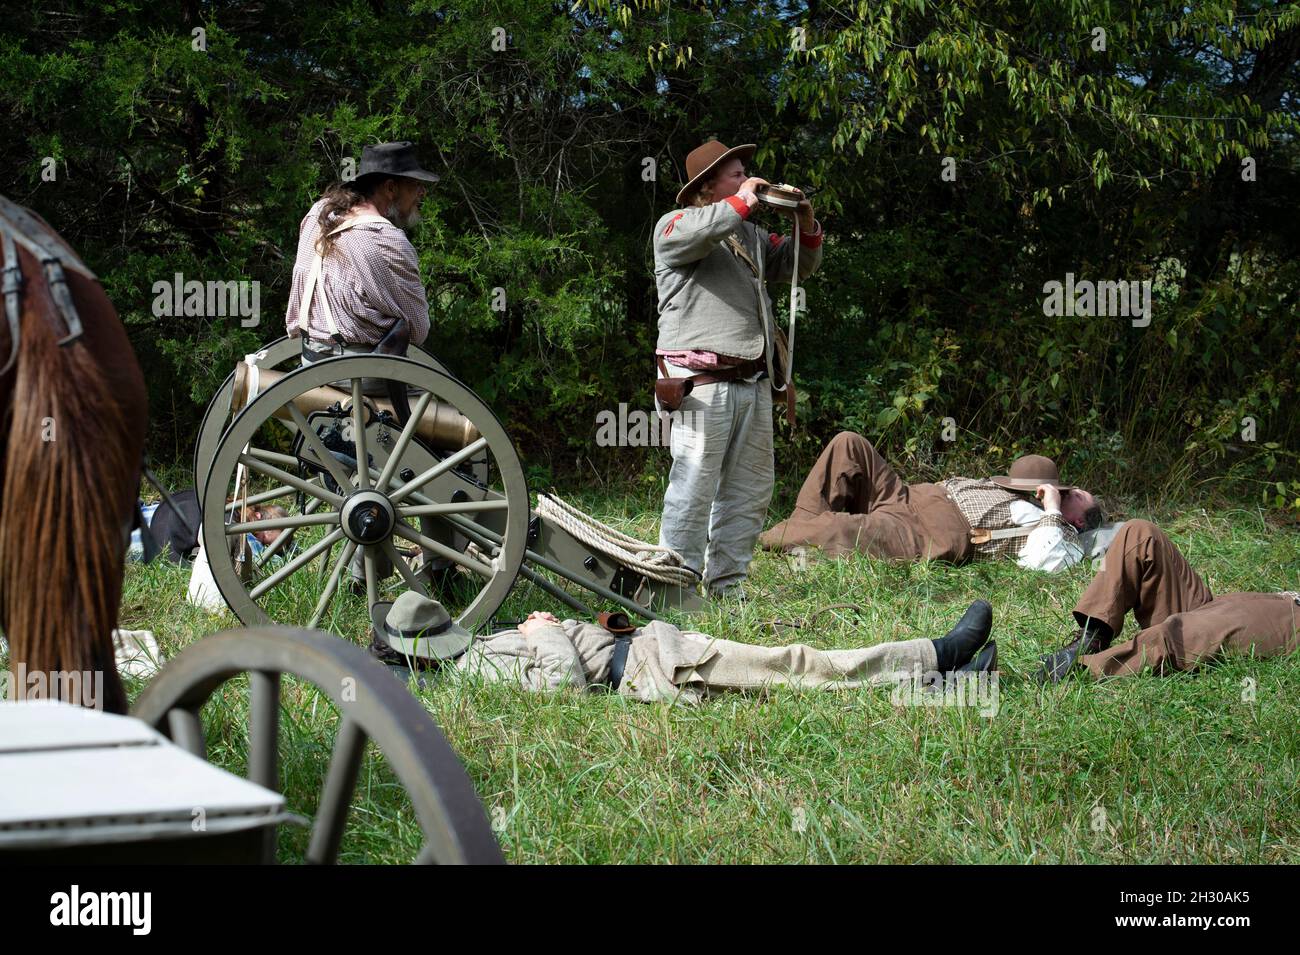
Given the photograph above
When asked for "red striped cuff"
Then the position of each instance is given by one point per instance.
(811, 240)
(739, 205)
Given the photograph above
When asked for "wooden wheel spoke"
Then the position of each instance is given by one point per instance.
(403, 439)
(336, 794)
(331, 585)
(284, 477)
(312, 439)
(273, 457)
(442, 467)
(404, 569)
(261, 497)
(186, 731)
(322, 545)
(273, 548)
(462, 507)
(282, 523)
(264, 728)
(372, 576)
(442, 550)
(359, 435)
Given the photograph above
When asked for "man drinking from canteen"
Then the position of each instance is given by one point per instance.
(716, 328)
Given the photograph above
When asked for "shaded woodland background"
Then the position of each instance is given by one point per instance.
(1122, 163)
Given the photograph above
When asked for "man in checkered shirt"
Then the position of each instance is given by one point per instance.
(355, 266)
(853, 500)
(356, 278)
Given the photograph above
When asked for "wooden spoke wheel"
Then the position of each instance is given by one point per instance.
(284, 354)
(417, 516)
(372, 705)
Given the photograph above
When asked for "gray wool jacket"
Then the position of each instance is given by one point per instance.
(709, 299)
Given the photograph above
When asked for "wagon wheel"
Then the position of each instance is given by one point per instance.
(372, 705)
(284, 354)
(357, 522)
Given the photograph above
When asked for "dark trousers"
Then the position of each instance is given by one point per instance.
(853, 500)
(1182, 622)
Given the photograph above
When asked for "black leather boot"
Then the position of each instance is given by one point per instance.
(956, 648)
(1057, 666)
(986, 661)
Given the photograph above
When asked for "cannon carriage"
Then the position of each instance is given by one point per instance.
(441, 505)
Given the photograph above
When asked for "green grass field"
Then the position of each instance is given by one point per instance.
(1177, 770)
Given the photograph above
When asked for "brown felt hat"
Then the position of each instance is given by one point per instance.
(1029, 471)
(704, 159)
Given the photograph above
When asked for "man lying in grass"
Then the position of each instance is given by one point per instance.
(661, 662)
(1182, 622)
(853, 500)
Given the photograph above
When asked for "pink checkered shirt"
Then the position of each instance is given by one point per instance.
(372, 278)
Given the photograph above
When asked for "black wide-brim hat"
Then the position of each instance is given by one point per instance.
(393, 159)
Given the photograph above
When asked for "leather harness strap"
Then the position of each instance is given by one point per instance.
(618, 662)
(723, 374)
(18, 227)
(982, 535)
(621, 627)
(729, 373)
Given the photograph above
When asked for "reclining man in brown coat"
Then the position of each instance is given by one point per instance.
(853, 500)
(660, 661)
(1182, 623)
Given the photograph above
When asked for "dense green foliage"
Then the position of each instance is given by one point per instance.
(1119, 164)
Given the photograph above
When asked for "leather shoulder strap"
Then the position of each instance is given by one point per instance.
(34, 234)
(357, 220)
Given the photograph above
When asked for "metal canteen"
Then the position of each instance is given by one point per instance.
(780, 194)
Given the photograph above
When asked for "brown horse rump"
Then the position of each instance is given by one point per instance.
(75, 416)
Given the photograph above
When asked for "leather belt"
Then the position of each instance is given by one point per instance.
(730, 373)
(621, 627)
(618, 662)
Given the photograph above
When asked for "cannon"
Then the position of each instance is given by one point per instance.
(79, 785)
(372, 498)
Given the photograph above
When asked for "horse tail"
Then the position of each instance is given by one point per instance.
(62, 545)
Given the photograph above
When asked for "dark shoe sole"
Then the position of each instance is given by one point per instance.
(986, 661)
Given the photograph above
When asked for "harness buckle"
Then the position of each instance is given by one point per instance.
(63, 299)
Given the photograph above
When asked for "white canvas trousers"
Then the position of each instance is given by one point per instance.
(722, 477)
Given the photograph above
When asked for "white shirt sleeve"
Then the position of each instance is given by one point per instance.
(1046, 549)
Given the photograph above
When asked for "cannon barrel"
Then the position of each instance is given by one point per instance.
(441, 425)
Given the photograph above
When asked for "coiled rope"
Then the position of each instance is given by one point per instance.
(653, 561)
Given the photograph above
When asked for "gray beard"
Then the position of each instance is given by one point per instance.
(399, 220)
